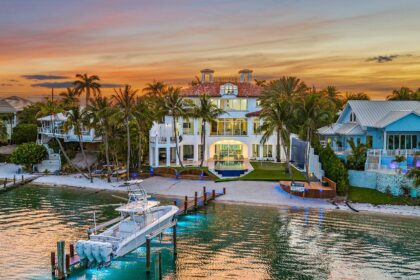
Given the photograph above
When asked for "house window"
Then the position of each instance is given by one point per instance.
(229, 126)
(255, 150)
(237, 104)
(256, 125)
(402, 141)
(188, 152)
(267, 151)
(352, 117)
(188, 127)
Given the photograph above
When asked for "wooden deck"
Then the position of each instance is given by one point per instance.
(312, 189)
(196, 202)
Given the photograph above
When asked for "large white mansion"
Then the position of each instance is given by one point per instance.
(233, 139)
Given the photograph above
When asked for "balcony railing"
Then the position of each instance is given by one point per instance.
(393, 153)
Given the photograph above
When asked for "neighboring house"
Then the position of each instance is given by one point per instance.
(387, 128)
(9, 107)
(52, 126)
(231, 141)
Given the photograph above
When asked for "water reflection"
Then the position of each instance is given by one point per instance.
(220, 242)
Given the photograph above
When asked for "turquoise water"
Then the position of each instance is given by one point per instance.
(222, 241)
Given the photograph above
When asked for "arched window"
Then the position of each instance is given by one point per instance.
(352, 117)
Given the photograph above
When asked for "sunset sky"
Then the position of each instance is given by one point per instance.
(371, 46)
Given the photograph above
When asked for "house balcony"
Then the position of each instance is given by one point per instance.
(162, 140)
(384, 160)
(68, 136)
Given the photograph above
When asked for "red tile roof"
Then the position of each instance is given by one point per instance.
(213, 89)
(253, 114)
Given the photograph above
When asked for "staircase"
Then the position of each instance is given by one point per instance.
(52, 164)
(315, 165)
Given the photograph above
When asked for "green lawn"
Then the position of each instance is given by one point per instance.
(268, 171)
(375, 197)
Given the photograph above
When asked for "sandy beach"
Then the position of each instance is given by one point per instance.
(244, 192)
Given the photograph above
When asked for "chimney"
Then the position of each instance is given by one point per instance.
(245, 75)
(207, 75)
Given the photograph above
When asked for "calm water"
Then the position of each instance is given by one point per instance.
(221, 242)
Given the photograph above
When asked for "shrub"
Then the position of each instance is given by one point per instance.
(28, 154)
(24, 133)
(334, 169)
(357, 158)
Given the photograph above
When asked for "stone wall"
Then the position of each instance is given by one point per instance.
(382, 182)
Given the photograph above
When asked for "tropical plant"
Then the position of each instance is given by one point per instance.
(334, 95)
(404, 93)
(88, 85)
(156, 88)
(398, 159)
(313, 111)
(29, 154)
(77, 122)
(260, 83)
(29, 113)
(125, 100)
(208, 112)
(195, 82)
(3, 132)
(334, 169)
(356, 96)
(143, 119)
(174, 105)
(357, 158)
(415, 175)
(285, 86)
(100, 112)
(69, 98)
(24, 132)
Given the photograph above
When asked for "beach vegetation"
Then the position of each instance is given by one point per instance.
(28, 154)
(357, 158)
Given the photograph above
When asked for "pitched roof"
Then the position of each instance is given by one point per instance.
(381, 113)
(213, 89)
(5, 107)
(341, 129)
(17, 102)
(58, 117)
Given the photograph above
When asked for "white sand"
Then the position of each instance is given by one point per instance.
(248, 192)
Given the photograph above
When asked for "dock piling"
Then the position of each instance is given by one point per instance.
(14, 179)
(23, 179)
(67, 264)
(174, 238)
(71, 247)
(195, 200)
(224, 190)
(204, 195)
(186, 204)
(214, 194)
(147, 255)
(53, 263)
(5, 182)
(160, 265)
(61, 260)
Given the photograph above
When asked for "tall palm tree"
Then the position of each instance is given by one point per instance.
(334, 95)
(88, 85)
(100, 113)
(313, 112)
(289, 87)
(69, 98)
(175, 106)
(356, 96)
(260, 83)
(77, 121)
(143, 119)
(125, 100)
(403, 93)
(155, 88)
(276, 118)
(208, 112)
(52, 108)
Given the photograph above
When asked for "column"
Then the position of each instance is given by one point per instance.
(261, 151)
(156, 155)
(195, 152)
(384, 146)
(168, 155)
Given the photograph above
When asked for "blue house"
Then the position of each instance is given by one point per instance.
(387, 128)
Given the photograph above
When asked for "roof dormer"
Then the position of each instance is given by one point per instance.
(228, 90)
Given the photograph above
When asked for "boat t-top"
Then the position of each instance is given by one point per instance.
(139, 218)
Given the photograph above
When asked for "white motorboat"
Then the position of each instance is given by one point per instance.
(139, 218)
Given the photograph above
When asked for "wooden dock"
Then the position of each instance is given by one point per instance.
(62, 264)
(10, 183)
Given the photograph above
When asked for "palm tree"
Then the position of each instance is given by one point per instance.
(356, 96)
(87, 84)
(100, 112)
(3, 132)
(403, 93)
(276, 118)
(69, 98)
(260, 83)
(289, 87)
(143, 119)
(52, 108)
(334, 95)
(174, 105)
(313, 112)
(208, 112)
(155, 88)
(125, 99)
(357, 158)
(76, 121)
(195, 82)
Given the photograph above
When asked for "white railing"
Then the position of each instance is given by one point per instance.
(392, 153)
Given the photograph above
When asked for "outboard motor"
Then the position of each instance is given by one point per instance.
(80, 249)
(87, 249)
(106, 250)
